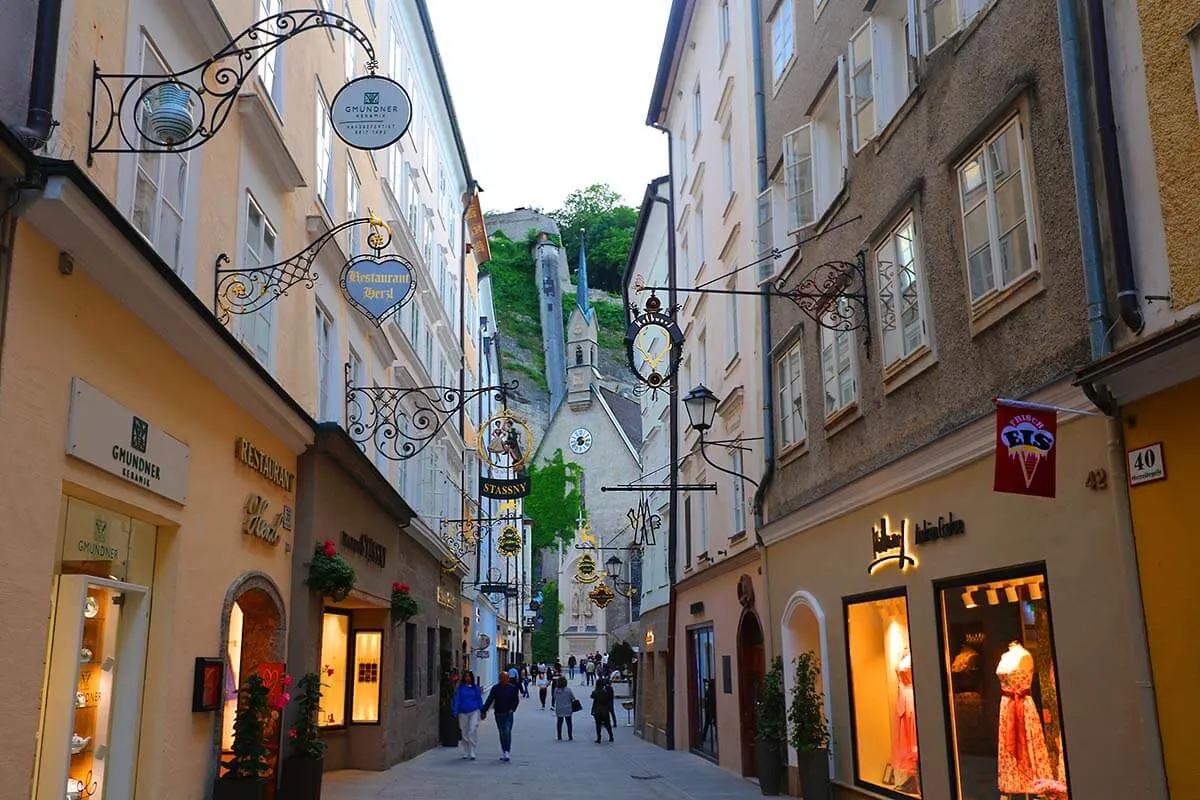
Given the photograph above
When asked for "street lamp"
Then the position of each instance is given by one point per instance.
(701, 406)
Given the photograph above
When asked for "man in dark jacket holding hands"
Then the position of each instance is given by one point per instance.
(506, 697)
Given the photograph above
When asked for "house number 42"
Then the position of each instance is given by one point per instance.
(1097, 480)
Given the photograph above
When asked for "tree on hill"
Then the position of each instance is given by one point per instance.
(597, 209)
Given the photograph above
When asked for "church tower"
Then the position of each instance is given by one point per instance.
(582, 336)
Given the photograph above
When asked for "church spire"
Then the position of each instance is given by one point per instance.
(581, 285)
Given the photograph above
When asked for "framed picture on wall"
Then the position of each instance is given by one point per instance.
(206, 686)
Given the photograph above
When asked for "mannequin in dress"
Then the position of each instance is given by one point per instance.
(1022, 756)
(904, 726)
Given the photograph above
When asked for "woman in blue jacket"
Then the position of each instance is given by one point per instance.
(468, 700)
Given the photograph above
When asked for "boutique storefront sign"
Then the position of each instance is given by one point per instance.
(371, 112)
(257, 523)
(370, 550)
(377, 285)
(264, 465)
(104, 433)
(890, 546)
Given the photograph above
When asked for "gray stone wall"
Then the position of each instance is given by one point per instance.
(16, 43)
(1010, 51)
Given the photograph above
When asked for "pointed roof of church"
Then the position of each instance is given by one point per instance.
(581, 284)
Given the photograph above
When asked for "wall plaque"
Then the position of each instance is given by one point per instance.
(264, 465)
(107, 435)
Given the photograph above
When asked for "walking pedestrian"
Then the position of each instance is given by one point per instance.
(571, 662)
(465, 705)
(564, 707)
(506, 698)
(542, 682)
(525, 682)
(591, 672)
(602, 708)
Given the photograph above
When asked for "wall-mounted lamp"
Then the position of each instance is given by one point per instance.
(1012, 594)
(993, 597)
(968, 598)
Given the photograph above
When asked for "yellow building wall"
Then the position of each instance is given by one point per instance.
(1169, 561)
(63, 326)
(1175, 130)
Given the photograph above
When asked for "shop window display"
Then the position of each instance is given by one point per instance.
(335, 647)
(886, 756)
(367, 648)
(1000, 675)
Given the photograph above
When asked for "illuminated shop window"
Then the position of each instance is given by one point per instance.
(1006, 725)
(883, 714)
(335, 644)
(368, 649)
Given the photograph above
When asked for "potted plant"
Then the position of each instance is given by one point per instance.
(404, 606)
(246, 770)
(330, 574)
(303, 768)
(448, 730)
(809, 732)
(771, 730)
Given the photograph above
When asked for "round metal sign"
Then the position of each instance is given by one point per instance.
(371, 112)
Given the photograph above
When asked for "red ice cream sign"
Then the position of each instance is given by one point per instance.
(1025, 455)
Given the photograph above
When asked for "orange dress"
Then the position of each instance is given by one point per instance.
(1023, 757)
(904, 726)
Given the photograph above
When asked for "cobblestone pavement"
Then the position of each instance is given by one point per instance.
(543, 768)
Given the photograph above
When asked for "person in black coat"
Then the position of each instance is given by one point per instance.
(602, 708)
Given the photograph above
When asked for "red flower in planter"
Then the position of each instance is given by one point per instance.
(328, 549)
(402, 588)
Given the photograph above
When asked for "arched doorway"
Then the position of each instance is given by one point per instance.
(253, 634)
(803, 629)
(752, 666)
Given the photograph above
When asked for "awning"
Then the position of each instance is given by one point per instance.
(1168, 358)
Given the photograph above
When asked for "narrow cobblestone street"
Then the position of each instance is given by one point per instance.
(543, 767)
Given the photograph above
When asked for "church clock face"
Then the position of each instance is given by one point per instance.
(581, 441)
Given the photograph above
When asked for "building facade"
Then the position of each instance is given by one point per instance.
(1149, 379)
(704, 98)
(921, 169)
(213, 414)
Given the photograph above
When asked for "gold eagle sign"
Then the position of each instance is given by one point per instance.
(585, 569)
(601, 596)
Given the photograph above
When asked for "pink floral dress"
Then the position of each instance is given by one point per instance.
(1023, 757)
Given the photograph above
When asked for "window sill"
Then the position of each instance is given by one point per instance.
(965, 33)
(410, 703)
(777, 84)
(737, 538)
(842, 418)
(721, 63)
(994, 307)
(733, 364)
(729, 206)
(793, 452)
(904, 370)
(687, 570)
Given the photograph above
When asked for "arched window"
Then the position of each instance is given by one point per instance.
(578, 356)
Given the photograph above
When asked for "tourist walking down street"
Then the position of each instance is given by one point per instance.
(571, 662)
(506, 697)
(564, 707)
(465, 705)
(524, 682)
(602, 708)
(542, 683)
(591, 671)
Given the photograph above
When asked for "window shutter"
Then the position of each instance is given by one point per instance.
(843, 129)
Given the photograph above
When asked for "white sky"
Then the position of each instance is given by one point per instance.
(551, 95)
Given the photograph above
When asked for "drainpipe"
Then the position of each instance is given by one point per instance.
(1085, 192)
(1129, 308)
(1069, 28)
(673, 430)
(768, 376)
(40, 119)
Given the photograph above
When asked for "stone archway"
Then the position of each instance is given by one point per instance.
(254, 605)
(752, 666)
(802, 629)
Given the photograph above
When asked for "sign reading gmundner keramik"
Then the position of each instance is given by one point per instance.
(371, 112)
(264, 465)
(104, 433)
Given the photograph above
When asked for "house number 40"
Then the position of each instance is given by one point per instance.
(1097, 480)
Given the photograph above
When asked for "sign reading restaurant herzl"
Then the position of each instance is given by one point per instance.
(104, 433)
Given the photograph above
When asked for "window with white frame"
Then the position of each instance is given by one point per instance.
(428, 158)
(997, 209)
(798, 177)
(414, 326)
(727, 157)
(783, 38)
(160, 184)
(723, 28)
(838, 374)
(325, 345)
(943, 18)
(737, 507)
(818, 7)
(698, 218)
(683, 160)
(862, 86)
(702, 358)
(324, 152)
(349, 43)
(353, 209)
(395, 54)
(685, 261)
(879, 76)
(270, 70)
(702, 534)
(901, 303)
(731, 323)
(395, 175)
(356, 368)
(829, 144)
(789, 382)
(427, 240)
(428, 360)
(256, 329)
(697, 114)
(413, 200)
(766, 235)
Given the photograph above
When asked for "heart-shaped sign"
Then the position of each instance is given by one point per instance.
(377, 285)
